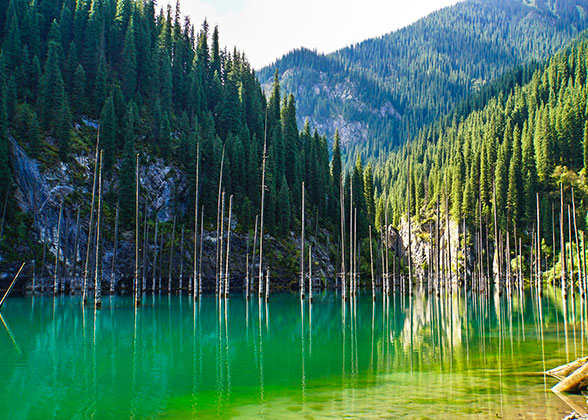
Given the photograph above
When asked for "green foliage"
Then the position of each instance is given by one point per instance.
(409, 78)
(108, 133)
(159, 86)
(522, 143)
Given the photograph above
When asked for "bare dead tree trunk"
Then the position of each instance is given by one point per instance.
(372, 267)
(218, 221)
(181, 284)
(97, 274)
(302, 248)
(342, 205)
(171, 258)
(262, 204)
(87, 264)
(227, 279)
(196, 289)
(57, 253)
(115, 251)
(155, 252)
(136, 280)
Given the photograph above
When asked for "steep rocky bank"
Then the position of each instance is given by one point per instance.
(41, 190)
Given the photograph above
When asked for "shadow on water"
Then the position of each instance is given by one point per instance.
(456, 354)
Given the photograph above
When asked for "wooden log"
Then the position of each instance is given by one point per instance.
(574, 382)
(561, 372)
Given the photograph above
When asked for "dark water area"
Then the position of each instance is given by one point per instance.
(457, 355)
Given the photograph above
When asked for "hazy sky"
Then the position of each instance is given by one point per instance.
(267, 29)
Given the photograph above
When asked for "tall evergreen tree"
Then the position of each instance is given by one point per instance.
(108, 133)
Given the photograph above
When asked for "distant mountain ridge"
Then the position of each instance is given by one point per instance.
(376, 90)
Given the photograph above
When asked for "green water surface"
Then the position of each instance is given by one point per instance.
(451, 356)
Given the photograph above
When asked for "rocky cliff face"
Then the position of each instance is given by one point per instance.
(41, 191)
(423, 248)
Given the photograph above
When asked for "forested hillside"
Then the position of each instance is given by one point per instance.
(157, 86)
(493, 163)
(376, 91)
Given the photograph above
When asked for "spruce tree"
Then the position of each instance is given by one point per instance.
(108, 133)
(52, 93)
(283, 210)
(515, 178)
(5, 172)
(165, 136)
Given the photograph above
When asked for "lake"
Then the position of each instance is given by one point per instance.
(455, 355)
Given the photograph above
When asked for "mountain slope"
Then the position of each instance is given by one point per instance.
(492, 169)
(375, 90)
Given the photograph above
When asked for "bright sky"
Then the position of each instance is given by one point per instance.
(267, 29)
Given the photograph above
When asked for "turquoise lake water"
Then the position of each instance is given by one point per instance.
(455, 355)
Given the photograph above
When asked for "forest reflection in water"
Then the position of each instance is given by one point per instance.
(476, 355)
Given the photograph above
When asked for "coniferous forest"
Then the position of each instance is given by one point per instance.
(161, 87)
(393, 230)
(379, 90)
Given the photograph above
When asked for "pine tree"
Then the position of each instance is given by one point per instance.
(165, 136)
(529, 176)
(457, 185)
(283, 210)
(586, 144)
(52, 93)
(5, 172)
(501, 183)
(108, 133)
(126, 178)
(368, 192)
(515, 180)
(129, 62)
(78, 90)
